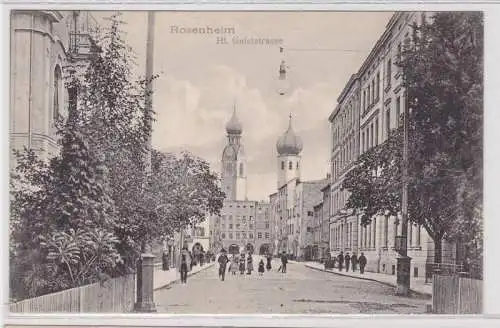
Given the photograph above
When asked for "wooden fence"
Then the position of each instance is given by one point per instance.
(452, 294)
(113, 295)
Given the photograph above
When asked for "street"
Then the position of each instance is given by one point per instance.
(300, 290)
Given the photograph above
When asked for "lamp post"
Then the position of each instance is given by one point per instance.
(403, 260)
(145, 265)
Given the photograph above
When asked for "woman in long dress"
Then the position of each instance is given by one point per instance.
(233, 266)
(249, 264)
(242, 264)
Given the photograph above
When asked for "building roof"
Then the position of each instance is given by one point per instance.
(289, 143)
(234, 126)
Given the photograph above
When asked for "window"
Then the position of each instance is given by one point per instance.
(368, 96)
(399, 54)
(398, 110)
(250, 218)
(230, 235)
(388, 121)
(241, 169)
(57, 92)
(237, 235)
(267, 225)
(297, 165)
(250, 235)
(259, 235)
(230, 218)
(371, 136)
(223, 235)
(251, 226)
(373, 91)
(310, 213)
(376, 131)
(282, 165)
(230, 226)
(223, 226)
(378, 85)
(290, 165)
(267, 235)
(363, 142)
(389, 73)
(244, 234)
(237, 225)
(364, 99)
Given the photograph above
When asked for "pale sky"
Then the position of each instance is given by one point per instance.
(200, 80)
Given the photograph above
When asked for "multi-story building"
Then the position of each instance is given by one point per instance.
(343, 225)
(316, 230)
(293, 204)
(46, 45)
(378, 84)
(243, 225)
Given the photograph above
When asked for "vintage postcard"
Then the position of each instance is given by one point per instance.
(246, 162)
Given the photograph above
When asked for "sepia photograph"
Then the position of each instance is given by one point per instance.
(246, 162)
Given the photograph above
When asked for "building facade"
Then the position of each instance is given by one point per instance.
(381, 100)
(292, 206)
(243, 225)
(46, 45)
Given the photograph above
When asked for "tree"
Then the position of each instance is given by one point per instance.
(442, 69)
(442, 66)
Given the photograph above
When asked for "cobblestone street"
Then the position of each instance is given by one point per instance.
(300, 290)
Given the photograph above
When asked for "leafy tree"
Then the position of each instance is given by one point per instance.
(442, 69)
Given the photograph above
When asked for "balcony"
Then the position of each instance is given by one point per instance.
(81, 45)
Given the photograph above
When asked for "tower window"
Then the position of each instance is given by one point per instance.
(241, 169)
(57, 92)
(282, 165)
(290, 165)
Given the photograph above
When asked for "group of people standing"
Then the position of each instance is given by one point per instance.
(350, 261)
(242, 263)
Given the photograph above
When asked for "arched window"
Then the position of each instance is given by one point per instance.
(223, 235)
(57, 93)
(282, 165)
(290, 165)
(241, 169)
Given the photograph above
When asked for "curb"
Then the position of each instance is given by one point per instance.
(168, 284)
(368, 279)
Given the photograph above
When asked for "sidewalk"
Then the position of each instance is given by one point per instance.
(417, 285)
(162, 279)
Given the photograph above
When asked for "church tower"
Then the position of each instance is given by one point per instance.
(234, 165)
(289, 146)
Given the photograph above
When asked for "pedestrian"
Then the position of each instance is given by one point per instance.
(242, 264)
(233, 266)
(269, 259)
(185, 261)
(223, 259)
(164, 260)
(347, 261)
(362, 263)
(202, 258)
(249, 264)
(340, 258)
(261, 267)
(354, 261)
(284, 261)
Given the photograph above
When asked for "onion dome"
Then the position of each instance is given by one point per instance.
(234, 125)
(289, 143)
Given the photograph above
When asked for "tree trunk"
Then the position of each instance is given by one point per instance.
(438, 249)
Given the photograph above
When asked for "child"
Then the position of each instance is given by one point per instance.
(261, 267)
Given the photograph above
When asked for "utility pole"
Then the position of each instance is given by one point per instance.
(145, 265)
(403, 261)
